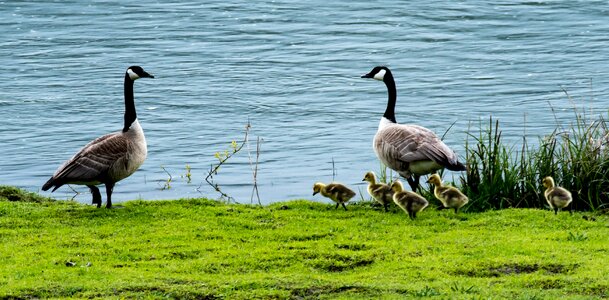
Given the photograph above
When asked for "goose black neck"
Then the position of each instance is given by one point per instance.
(130, 114)
(392, 95)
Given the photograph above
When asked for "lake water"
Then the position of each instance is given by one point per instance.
(292, 68)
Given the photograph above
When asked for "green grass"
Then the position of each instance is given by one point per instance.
(202, 249)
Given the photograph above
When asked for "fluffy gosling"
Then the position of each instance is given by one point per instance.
(410, 202)
(381, 192)
(335, 191)
(556, 196)
(451, 197)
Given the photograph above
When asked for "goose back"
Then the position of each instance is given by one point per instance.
(111, 157)
(412, 149)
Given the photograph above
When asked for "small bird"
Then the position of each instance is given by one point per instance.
(335, 191)
(381, 192)
(451, 197)
(557, 197)
(408, 149)
(110, 158)
(410, 202)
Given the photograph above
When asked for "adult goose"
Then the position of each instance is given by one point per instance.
(410, 150)
(110, 158)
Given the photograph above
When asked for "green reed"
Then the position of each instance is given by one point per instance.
(500, 175)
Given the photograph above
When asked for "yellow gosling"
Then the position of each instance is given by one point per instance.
(381, 192)
(450, 196)
(557, 197)
(335, 191)
(410, 202)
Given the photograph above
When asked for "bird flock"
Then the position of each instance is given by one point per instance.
(410, 150)
(413, 151)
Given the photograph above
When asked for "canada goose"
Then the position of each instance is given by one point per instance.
(381, 192)
(410, 150)
(451, 197)
(556, 196)
(109, 158)
(335, 191)
(410, 202)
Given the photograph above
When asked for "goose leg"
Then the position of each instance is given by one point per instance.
(413, 181)
(96, 195)
(555, 210)
(412, 215)
(385, 205)
(109, 189)
(442, 207)
(337, 204)
(345, 207)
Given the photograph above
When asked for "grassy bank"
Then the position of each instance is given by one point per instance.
(300, 249)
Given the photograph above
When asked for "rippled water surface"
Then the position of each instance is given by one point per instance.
(292, 69)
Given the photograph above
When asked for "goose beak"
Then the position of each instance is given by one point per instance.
(147, 75)
(369, 75)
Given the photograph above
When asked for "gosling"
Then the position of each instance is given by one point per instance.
(335, 191)
(381, 192)
(410, 202)
(557, 197)
(450, 196)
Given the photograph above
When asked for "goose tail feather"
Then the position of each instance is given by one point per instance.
(457, 167)
(49, 184)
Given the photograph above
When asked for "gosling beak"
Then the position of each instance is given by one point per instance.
(314, 193)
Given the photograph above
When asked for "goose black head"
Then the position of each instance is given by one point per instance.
(378, 73)
(136, 72)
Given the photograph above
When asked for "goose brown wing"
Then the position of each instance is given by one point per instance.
(92, 162)
(409, 143)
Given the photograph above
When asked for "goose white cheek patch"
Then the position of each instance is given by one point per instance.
(380, 75)
(132, 74)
